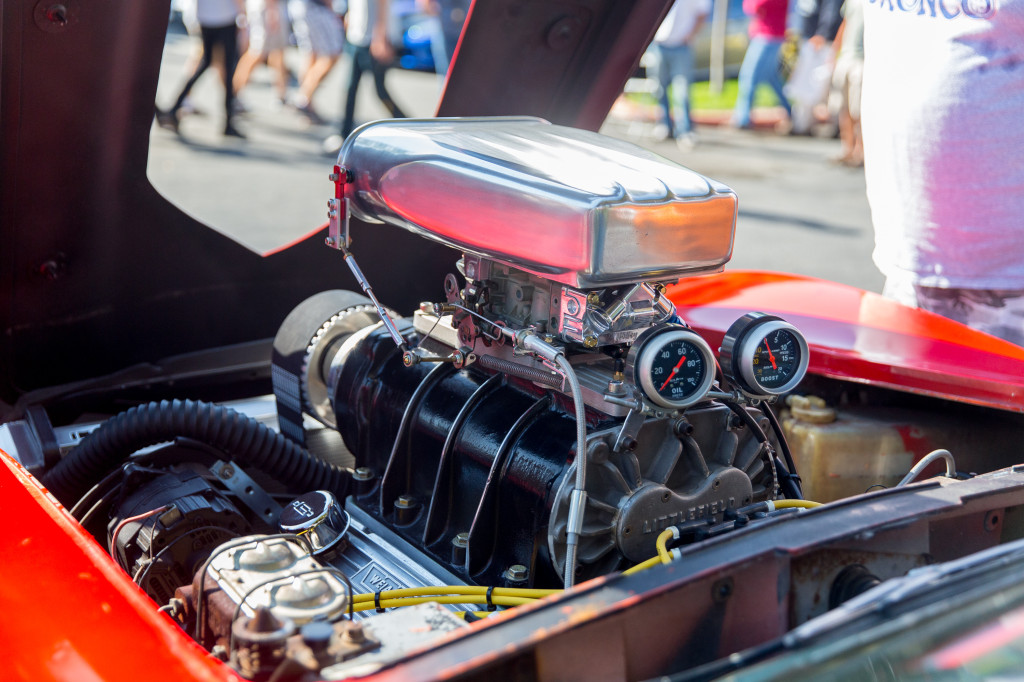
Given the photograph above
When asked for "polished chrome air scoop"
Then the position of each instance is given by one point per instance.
(568, 205)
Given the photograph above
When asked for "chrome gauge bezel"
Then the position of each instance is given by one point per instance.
(646, 354)
(746, 347)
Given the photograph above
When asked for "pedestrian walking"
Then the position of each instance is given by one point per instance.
(673, 50)
(268, 38)
(218, 25)
(942, 147)
(767, 32)
(320, 37)
(369, 49)
(847, 81)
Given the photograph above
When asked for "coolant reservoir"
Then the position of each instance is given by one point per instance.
(569, 205)
(841, 452)
(841, 455)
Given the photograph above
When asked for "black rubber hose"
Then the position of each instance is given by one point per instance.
(244, 440)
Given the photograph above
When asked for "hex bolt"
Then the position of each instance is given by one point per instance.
(405, 509)
(364, 480)
(459, 544)
(517, 573)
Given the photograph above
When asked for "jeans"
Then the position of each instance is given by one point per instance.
(760, 65)
(362, 61)
(227, 38)
(675, 73)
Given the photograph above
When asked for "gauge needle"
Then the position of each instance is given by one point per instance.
(771, 356)
(675, 370)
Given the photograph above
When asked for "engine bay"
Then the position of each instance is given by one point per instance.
(543, 428)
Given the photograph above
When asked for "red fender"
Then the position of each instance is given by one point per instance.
(860, 336)
(71, 614)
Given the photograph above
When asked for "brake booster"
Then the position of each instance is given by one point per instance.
(467, 420)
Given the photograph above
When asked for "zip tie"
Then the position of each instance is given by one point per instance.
(376, 601)
(490, 604)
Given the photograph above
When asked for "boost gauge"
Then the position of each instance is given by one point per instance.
(673, 366)
(764, 354)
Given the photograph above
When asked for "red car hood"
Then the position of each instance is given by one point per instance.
(90, 248)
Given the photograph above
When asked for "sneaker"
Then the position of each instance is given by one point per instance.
(686, 142)
(332, 145)
(231, 131)
(189, 108)
(168, 120)
(661, 132)
(306, 109)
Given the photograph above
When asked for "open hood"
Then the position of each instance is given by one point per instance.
(101, 273)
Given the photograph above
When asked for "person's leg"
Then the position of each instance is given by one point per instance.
(204, 63)
(229, 40)
(379, 70)
(243, 71)
(683, 75)
(275, 60)
(359, 56)
(748, 82)
(769, 72)
(854, 83)
(663, 75)
(320, 67)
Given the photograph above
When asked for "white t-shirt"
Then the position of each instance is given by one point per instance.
(680, 20)
(943, 126)
(362, 14)
(216, 13)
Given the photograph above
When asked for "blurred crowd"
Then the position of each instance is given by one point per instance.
(931, 110)
(824, 76)
(935, 127)
(235, 37)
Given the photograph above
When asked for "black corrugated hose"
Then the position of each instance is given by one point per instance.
(244, 440)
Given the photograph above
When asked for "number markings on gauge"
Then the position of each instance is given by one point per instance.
(674, 367)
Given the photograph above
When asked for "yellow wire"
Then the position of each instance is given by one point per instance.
(789, 504)
(643, 565)
(452, 599)
(455, 590)
(665, 557)
(479, 614)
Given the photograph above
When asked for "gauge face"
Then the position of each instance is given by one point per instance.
(675, 368)
(764, 355)
(776, 359)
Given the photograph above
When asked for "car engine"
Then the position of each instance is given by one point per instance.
(544, 419)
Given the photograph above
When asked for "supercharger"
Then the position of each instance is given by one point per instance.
(546, 414)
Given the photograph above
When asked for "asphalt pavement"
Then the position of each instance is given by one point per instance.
(799, 212)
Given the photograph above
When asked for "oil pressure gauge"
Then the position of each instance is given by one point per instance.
(764, 355)
(673, 366)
